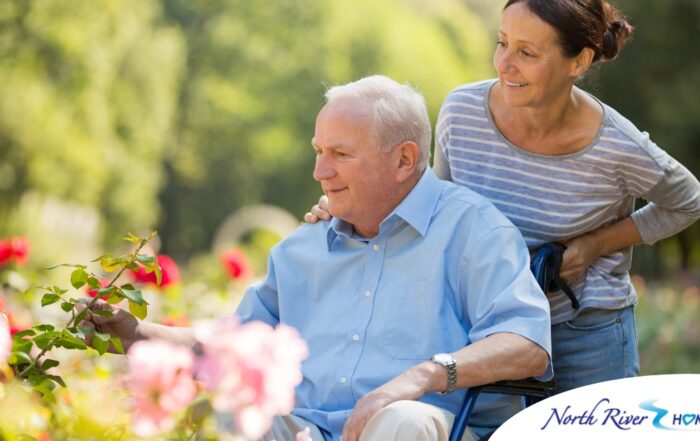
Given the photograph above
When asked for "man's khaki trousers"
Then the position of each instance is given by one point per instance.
(400, 421)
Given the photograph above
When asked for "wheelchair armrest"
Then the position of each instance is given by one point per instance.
(533, 390)
(529, 387)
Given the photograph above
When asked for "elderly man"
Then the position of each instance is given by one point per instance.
(415, 289)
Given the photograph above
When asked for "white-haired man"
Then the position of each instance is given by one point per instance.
(416, 288)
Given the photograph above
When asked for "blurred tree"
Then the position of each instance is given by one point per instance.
(255, 81)
(87, 93)
(655, 83)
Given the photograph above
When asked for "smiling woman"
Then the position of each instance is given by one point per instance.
(565, 167)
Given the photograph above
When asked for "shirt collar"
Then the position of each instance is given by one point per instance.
(416, 209)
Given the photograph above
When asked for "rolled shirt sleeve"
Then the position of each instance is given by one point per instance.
(503, 295)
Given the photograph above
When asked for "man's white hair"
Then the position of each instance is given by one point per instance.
(398, 112)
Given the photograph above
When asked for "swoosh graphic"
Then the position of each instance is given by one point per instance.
(660, 413)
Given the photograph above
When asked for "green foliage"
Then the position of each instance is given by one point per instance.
(43, 338)
(668, 329)
(87, 96)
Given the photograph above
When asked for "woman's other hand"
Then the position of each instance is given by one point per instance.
(318, 212)
(580, 253)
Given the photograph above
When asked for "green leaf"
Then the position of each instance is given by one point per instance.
(115, 298)
(69, 341)
(57, 379)
(78, 278)
(159, 274)
(117, 343)
(20, 334)
(22, 355)
(135, 296)
(25, 346)
(103, 336)
(69, 265)
(132, 266)
(93, 283)
(58, 290)
(138, 310)
(144, 258)
(131, 238)
(46, 391)
(67, 306)
(48, 364)
(128, 286)
(110, 264)
(44, 328)
(49, 298)
(103, 313)
(100, 346)
(102, 257)
(81, 316)
(42, 341)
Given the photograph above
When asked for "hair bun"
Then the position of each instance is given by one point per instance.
(616, 35)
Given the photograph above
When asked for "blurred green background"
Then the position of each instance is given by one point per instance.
(133, 115)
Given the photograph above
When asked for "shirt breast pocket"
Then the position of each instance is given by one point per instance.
(420, 323)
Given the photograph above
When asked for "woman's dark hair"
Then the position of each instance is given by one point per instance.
(583, 23)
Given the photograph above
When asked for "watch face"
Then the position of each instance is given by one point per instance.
(442, 358)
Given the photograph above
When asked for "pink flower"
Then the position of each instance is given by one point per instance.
(5, 339)
(170, 270)
(161, 384)
(237, 264)
(252, 371)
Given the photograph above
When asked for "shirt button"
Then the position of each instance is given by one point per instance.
(368, 293)
(343, 380)
(356, 337)
(376, 247)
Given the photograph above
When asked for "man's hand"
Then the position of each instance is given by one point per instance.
(318, 212)
(122, 324)
(411, 385)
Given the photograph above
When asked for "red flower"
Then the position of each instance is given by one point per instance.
(16, 248)
(237, 265)
(5, 252)
(93, 292)
(171, 273)
(20, 249)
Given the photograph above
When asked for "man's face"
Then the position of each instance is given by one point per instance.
(356, 176)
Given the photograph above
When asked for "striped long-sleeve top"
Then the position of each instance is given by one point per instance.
(556, 198)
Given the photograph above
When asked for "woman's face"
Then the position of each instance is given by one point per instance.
(532, 69)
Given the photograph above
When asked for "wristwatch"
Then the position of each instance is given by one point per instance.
(449, 363)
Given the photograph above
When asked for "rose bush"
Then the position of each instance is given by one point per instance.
(240, 378)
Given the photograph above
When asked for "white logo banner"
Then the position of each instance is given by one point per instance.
(657, 407)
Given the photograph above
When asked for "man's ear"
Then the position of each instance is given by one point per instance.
(407, 155)
(583, 61)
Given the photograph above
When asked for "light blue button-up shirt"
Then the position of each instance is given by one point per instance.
(446, 269)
